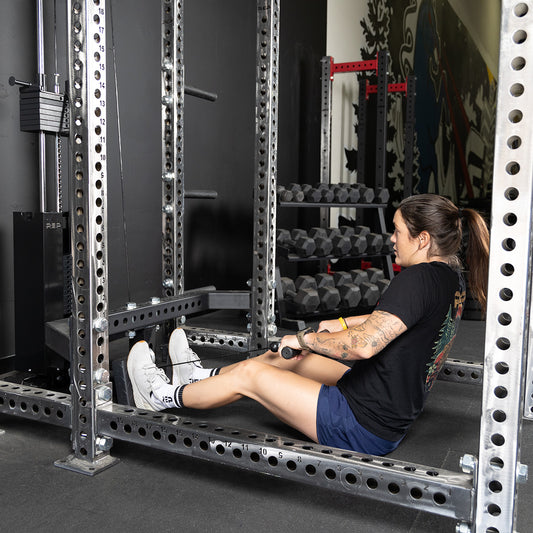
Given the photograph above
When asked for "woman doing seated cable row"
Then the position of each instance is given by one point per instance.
(396, 352)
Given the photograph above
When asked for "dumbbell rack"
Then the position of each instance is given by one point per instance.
(288, 320)
(329, 69)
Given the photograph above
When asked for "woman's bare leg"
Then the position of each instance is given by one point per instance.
(290, 397)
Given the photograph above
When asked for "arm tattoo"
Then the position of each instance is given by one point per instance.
(363, 340)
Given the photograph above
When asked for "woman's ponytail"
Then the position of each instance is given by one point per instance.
(477, 254)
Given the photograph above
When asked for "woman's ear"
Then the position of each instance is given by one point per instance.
(424, 239)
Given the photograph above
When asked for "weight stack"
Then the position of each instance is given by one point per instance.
(43, 111)
(40, 247)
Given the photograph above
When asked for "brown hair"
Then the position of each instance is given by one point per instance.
(443, 221)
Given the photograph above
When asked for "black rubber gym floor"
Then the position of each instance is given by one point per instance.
(150, 490)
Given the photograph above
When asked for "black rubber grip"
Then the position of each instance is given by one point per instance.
(289, 353)
(286, 353)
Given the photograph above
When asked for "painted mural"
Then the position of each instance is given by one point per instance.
(455, 99)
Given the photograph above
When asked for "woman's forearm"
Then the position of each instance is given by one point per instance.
(360, 341)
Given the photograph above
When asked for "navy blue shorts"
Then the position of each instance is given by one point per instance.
(336, 426)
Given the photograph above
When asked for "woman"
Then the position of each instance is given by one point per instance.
(397, 350)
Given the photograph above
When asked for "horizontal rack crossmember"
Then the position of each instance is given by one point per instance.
(235, 341)
(35, 404)
(438, 491)
(403, 483)
(149, 314)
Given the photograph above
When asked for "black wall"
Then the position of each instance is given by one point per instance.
(219, 50)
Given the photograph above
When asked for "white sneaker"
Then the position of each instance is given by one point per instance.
(145, 376)
(184, 360)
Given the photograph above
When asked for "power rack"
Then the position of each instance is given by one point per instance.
(482, 496)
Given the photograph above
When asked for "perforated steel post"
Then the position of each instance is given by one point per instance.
(509, 305)
(266, 141)
(172, 105)
(89, 340)
(381, 119)
(325, 120)
(409, 137)
(361, 132)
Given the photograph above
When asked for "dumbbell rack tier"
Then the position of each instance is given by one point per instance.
(330, 204)
(382, 227)
(483, 496)
(293, 258)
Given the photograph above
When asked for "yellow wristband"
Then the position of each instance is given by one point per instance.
(343, 323)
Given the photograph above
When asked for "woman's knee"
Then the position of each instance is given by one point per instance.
(247, 370)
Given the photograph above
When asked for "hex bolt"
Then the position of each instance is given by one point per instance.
(168, 176)
(166, 100)
(182, 319)
(468, 463)
(101, 324)
(166, 65)
(154, 300)
(272, 318)
(103, 443)
(272, 329)
(104, 393)
(521, 473)
(272, 284)
(249, 283)
(168, 283)
(168, 209)
(131, 305)
(131, 334)
(462, 527)
(101, 375)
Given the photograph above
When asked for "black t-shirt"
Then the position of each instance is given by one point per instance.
(387, 392)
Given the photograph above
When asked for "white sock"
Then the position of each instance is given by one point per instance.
(169, 395)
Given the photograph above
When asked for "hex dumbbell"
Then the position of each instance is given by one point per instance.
(381, 195)
(366, 193)
(369, 294)
(329, 295)
(374, 243)
(313, 195)
(283, 194)
(324, 245)
(354, 195)
(340, 194)
(341, 244)
(375, 274)
(297, 193)
(327, 195)
(359, 276)
(358, 244)
(304, 300)
(349, 292)
(296, 240)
